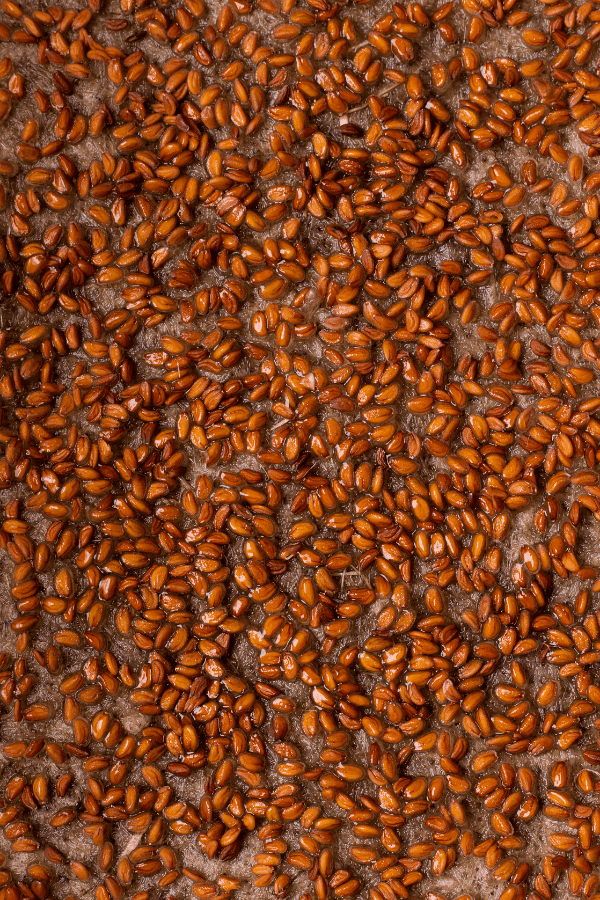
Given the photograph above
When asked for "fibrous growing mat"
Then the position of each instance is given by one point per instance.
(300, 424)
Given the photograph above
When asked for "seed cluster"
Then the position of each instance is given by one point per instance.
(299, 445)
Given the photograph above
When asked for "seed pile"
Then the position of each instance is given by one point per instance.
(299, 444)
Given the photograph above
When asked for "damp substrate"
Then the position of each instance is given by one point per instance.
(299, 445)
